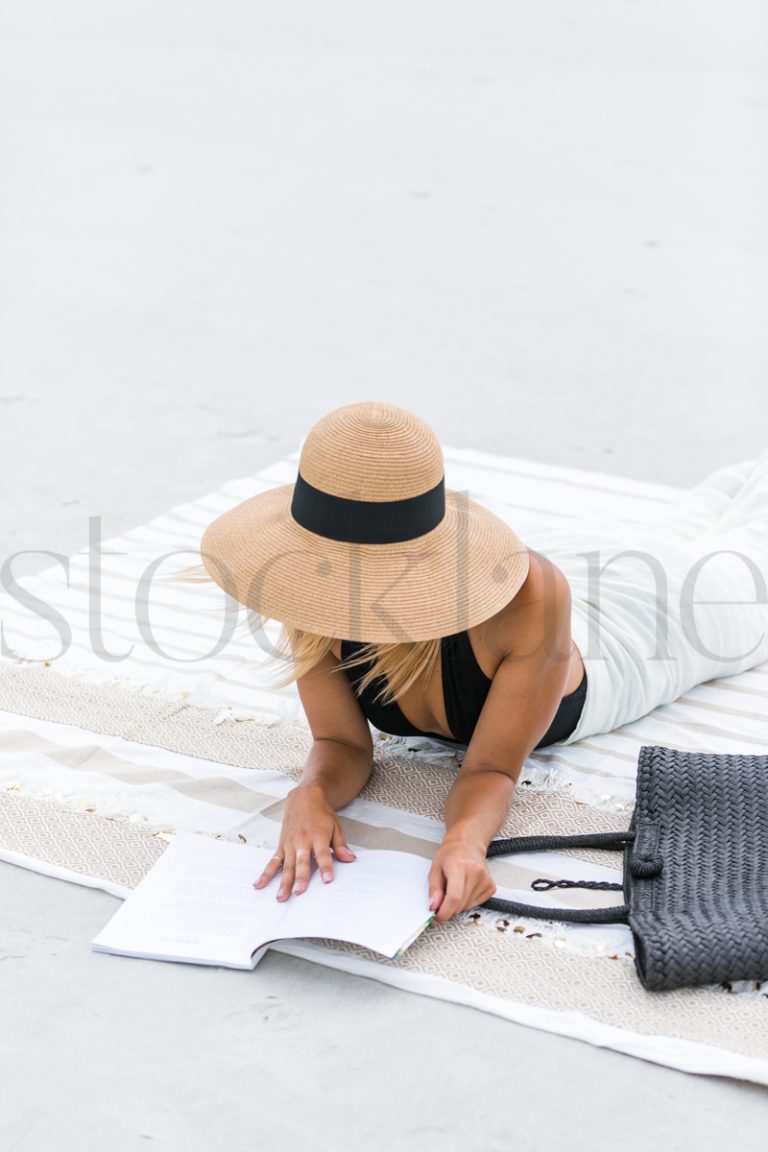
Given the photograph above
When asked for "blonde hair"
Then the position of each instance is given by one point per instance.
(397, 665)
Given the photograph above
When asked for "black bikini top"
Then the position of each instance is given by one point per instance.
(465, 687)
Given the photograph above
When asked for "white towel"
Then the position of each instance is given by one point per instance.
(659, 608)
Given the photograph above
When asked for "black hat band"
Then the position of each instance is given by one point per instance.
(367, 521)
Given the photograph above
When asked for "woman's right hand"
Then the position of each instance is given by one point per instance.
(310, 828)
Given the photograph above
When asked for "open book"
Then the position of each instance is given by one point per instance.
(198, 904)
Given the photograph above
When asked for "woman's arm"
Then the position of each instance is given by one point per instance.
(521, 704)
(337, 769)
(476, 808)
(338, 766)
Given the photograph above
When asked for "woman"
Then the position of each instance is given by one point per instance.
(414, 607)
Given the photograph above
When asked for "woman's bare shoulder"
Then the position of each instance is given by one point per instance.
(521, 621)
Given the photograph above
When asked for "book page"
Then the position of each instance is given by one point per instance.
(196, 903)
(380, 901)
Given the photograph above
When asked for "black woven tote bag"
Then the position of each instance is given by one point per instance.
(695, 869)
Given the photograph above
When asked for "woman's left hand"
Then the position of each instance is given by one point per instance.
(459, 878)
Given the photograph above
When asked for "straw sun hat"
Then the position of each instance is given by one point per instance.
(368, 544)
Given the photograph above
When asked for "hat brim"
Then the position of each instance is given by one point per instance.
(460, 573)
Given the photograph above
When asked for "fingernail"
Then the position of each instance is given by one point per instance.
(327, 876)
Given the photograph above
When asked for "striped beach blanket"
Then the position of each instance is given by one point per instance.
(133, 706)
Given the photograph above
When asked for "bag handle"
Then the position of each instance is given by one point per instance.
(616, 914)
